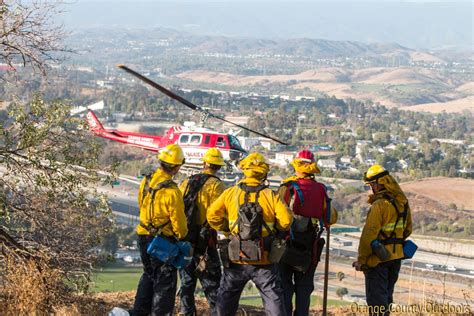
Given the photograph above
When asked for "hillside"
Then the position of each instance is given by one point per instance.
(431, 201)
(444, 190)
(417, 89)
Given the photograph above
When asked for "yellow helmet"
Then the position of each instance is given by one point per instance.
(374, 173)
(214, 156)
(172, 154)
(254, 163)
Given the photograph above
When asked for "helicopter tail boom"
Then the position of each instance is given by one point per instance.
(144, 141)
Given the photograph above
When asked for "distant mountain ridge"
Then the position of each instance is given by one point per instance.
(301, 47)
(296, 47)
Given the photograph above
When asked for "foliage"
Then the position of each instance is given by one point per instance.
(341, 292)
(28, 34)
(341, 275)
(50, 210)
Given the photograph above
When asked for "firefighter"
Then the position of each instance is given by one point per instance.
(308, 200)
(387, 226)
(161, 211)
(249, 213)
(199, 191)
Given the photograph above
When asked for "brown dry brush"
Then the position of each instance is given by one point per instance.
(51, 216)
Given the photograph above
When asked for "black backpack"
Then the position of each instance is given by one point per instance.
(248, 244)
(194, 186)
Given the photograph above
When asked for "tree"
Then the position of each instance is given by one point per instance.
(51, 216)
(341, 292)
(50, 211)
(28, 34)
(341, 275)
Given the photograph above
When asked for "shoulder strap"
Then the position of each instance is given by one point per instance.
(148, 177)
(298, 191)
(403, 215)
(193, 187)
(248, 188)
(151, 208)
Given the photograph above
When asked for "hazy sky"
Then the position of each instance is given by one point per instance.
(414, 23)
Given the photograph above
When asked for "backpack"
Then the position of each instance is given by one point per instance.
(248, 244)
(198, 235)
(305, 244)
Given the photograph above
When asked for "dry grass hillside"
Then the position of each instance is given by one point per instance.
(444, 190)
(455, 106)
(418, 89)
(431, 201)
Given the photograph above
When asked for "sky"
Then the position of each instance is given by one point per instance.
(414, 23)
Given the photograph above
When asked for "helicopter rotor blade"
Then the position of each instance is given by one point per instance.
(191, 105)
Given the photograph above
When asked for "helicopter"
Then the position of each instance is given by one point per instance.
(194, 141)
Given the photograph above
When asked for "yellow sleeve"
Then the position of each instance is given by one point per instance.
(409, 225)
(283, 215)
(371, 230)
(217, 214)
(183, 185)
(140, 192)
(284, 194)
(176, 212)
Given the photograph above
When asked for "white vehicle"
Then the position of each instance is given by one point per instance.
(450, 267)
(429, 266)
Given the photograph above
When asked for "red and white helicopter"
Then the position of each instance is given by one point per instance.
(195, 141)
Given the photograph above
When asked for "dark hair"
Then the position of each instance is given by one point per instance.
(167, 167)
(214, 167)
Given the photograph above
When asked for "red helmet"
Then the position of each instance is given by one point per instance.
(305, 156)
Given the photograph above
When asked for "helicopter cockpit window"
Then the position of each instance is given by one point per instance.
(195, 139)
(220, 142)
(184, 139)
(234, 143)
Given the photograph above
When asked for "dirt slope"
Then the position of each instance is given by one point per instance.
(444, 190)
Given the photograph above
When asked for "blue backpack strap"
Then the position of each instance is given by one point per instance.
(298, 191)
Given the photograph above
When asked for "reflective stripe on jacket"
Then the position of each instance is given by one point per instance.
(168, 206)
(382, 216)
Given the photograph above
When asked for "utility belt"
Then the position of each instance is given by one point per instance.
(249, 250)
(393, 241)
(408, 246)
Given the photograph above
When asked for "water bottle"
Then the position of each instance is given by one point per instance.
(379, 249)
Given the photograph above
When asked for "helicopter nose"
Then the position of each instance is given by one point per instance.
(235, 155)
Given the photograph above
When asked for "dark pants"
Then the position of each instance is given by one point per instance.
(266, 279)
(157, 286)
(209, 281)
(379, 285)
(301, 285)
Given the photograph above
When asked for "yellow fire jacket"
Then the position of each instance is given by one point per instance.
(223, 213)
(211, 190)
(284, 193)
(168, 207)
(382, 217)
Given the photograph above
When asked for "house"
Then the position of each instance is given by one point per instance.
(283, 158)
(327, 164)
